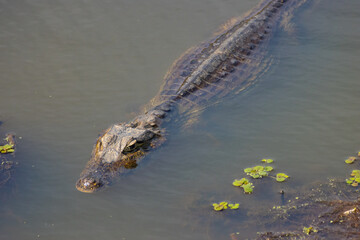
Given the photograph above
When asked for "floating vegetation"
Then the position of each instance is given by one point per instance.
(350, 160)
(245, 184)
(225, 205)
(7, 148)
(267, 160)
(220, 206)
(248, 188)
(258, 171)
(355, 178)
(280, 177)
(239, 183)
(234, 206)
(309, 230)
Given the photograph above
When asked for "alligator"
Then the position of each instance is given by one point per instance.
(228, 63)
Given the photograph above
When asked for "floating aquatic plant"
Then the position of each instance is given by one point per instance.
(258, 171)
(225, 205)
(248, 188)
(220, 206)
(355, 178)
(245, 184)
(239, 183)
(350, 160)
(7, 148)
(267, 160)
(268, 168)
(234, 206)
(280, 177)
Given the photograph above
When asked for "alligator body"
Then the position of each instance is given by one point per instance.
(228, 62)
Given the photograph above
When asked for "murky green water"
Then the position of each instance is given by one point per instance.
(69, 69)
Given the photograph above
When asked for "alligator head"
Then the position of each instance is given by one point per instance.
(120, 147)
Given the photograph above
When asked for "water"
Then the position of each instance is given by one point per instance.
(70, 69)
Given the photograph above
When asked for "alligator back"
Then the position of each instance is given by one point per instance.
(228, 62)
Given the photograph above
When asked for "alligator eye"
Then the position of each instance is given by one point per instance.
(129, 148)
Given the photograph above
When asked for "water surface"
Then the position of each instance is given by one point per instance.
(70, 69)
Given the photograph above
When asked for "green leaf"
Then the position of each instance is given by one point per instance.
(10, 150)
(234, 206)
(350, 160)
(247, 170)
(248, 188)
(255, 176)
(221, 206)
(263, 173)
(8, 146)
(238, 183)
(280, 177)
(218, 208)
(268, 168)
(348, 181)
(258, 168)
(267, 160)
(355, 173)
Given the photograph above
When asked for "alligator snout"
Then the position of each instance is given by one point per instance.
(88, 184)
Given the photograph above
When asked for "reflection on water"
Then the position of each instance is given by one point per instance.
(69, 69)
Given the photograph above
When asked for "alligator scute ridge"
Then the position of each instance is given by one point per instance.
(229, 61)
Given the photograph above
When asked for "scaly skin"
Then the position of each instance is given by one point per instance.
(230, 61)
